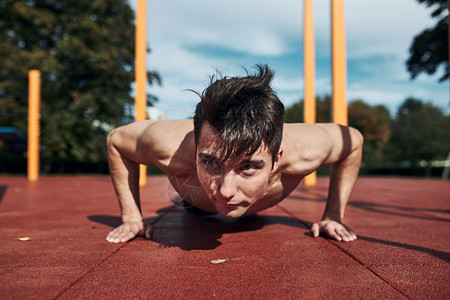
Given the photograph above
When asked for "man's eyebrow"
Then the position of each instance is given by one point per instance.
(206, 155)
(257, 162)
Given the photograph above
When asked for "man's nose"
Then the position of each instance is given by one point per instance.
(228, 186)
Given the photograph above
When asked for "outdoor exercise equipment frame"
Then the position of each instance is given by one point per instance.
(339, 68)
(339, 80)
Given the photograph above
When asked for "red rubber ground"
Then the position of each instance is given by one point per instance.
(402, 251)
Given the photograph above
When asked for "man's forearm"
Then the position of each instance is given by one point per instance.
(343, 175)
(125, 177)
(127, 191)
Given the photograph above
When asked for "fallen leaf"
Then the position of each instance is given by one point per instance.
(220, 261)
(24, 239)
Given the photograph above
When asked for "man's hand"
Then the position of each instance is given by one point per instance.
(128, 231)
(333, 230)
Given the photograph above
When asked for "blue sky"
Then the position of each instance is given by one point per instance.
(189, 40)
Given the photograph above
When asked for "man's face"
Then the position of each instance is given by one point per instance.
(235, 185)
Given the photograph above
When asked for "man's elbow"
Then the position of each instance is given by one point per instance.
(112, 140)
(110, 137)
(357, 145)
(357, 138)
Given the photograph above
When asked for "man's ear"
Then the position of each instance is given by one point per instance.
(277, 160)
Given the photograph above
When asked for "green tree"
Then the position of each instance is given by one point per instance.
(420, 132)
(85, 51)
(294, 113)
(374, 122)
(429, 49)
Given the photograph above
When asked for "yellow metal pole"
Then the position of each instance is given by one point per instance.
(140, 100)
(34, 108)
(339, 62)
(309, 109)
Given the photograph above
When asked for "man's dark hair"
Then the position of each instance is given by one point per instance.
(244, 112)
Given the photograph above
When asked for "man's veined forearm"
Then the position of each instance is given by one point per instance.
(125, 177)
(343, 175)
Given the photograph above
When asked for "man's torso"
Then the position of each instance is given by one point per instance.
(175, 142)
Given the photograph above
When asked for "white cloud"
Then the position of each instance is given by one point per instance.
(251, 27)
(384, 26)
(267, 31)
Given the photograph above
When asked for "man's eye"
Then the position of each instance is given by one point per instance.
(210, 164)
(248, 169)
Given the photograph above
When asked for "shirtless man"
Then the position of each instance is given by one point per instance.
(237, 155)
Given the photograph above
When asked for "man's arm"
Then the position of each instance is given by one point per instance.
(124, 157)
(344, 160)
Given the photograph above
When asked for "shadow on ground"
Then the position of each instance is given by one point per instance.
(387, 209)
(402, 211)
(3, 189)
(176, 227)
(445, 256)
(191, 229)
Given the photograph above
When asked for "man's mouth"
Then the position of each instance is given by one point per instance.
(230, 205)
(230, 210)
(226, 203)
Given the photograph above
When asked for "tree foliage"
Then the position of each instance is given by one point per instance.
(85, 52)
(419, 131)
(429, 49)
(375, 124)
(374, 121)
(294, 113)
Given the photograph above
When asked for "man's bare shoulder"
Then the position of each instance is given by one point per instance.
(301, 128)
(169, 129)
(302, 134)
(170, 142)
(309, 146)
(305, 146)
(159, 143)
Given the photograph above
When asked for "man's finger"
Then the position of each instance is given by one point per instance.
(112, 236)
(351, 236)
(348, 235)
(128, 236)
(332, 233)
(315, 230)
